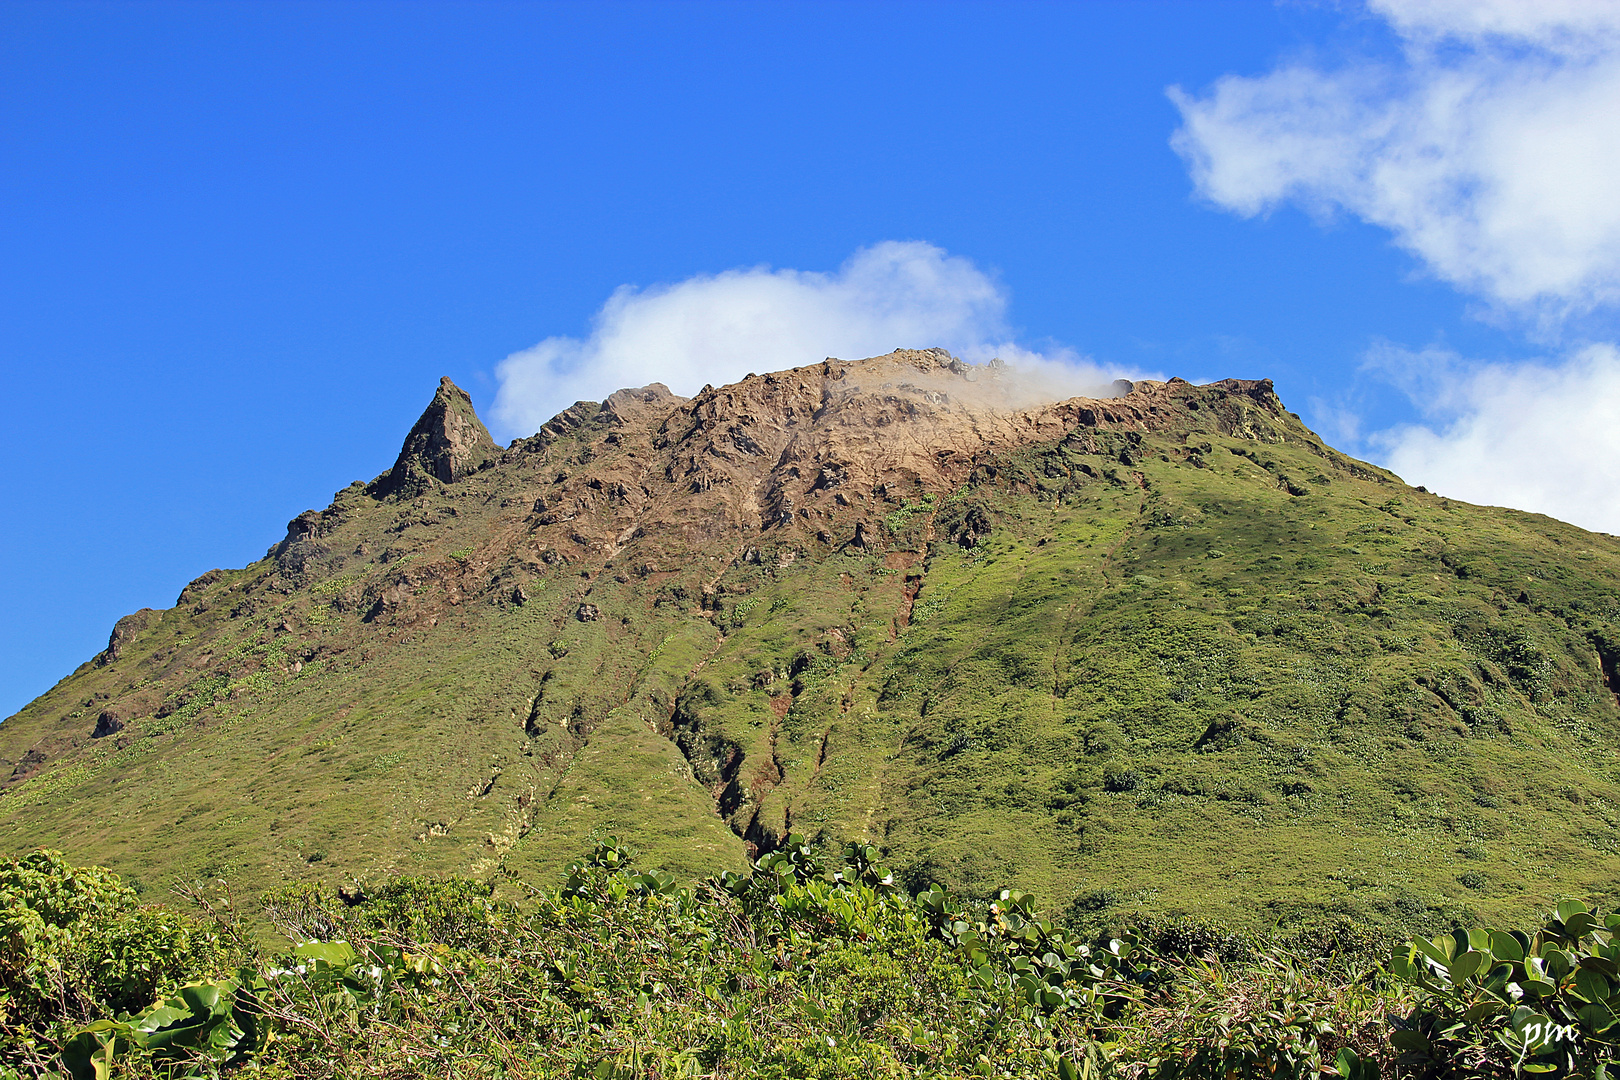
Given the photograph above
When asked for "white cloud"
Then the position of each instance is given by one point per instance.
(717, 328)
(1538, 437)
(1488, 147)
(1569, 26)
(1486, 144)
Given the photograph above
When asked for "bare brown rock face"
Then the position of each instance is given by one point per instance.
(110, 722)
(125, 631)
(801, 450)
(447, 443)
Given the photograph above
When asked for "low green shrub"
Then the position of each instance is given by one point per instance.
(1506, 1003)
(76, 945)
(817, 963)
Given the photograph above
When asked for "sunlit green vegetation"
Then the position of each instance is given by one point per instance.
(816, 963)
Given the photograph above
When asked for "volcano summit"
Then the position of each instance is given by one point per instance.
(1163, 650)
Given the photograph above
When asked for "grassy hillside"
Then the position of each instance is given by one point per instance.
(1212, 694)
(1167, 654)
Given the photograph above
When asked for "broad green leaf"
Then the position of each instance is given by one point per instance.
(1466, 965)
(1523, 1018)
(1590, 983)
(1434, 950)
(338, 954)
(162, 1015)
(207, 998)
(1506, 946)
(88, 1055)
(1610, 969)
(1596, 1018)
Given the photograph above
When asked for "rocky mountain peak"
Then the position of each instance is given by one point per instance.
(1000, 629)
(448, 442)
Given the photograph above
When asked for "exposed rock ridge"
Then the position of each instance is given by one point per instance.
(448, 443)
(125, 631)
(809, 445)
(816, 450)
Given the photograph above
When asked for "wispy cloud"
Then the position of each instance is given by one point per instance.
(1486, 147)
(716, 328)
(1542, 436)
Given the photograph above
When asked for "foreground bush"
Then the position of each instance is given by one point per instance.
(75, 946)
(810, 966)
(1492, 1000)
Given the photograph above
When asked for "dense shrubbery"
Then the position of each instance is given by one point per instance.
(1547, 1002)
(810, 966)
(76, 947)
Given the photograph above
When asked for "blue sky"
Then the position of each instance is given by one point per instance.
(239, 243)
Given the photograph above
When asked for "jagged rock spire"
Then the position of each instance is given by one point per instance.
(447, 443)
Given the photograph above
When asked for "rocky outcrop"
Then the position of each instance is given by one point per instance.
(811, 450)
(448, 443)
(302, 544)
(110, 722)
(192, 593)
(631, 406)
(27, 766)
(126, 630)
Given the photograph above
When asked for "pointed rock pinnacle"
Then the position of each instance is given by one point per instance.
(447, 443)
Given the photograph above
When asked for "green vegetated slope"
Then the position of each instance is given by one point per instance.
(1167, 653)
(1215, 696)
